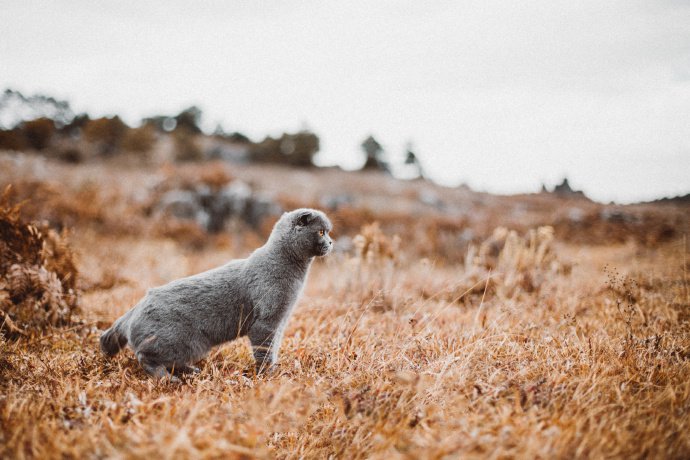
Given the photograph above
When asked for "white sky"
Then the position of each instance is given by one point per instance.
(500, 95)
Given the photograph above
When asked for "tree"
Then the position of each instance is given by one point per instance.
(75, 126)
(299, 149)
(293, 149)
(16, 108)
(236, 137)
(189, 119)
(162, 123)
(411, 160)
(374, 154)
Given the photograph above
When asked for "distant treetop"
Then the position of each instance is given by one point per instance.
(374, 154)
(16, 108)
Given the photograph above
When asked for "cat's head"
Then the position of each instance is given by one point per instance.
(304, 232)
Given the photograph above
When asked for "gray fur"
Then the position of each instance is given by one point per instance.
(177, 324)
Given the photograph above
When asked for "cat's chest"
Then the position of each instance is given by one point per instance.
(278, 294)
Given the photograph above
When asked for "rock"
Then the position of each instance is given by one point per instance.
(333, 202)
(617, 216)
(431, 198)
(237, 194)
(212, 209)
(232, 152)
(260, 207)
(182, 204)
(576, 215)
(565, 190)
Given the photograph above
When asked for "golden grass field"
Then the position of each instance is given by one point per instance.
(554, 341)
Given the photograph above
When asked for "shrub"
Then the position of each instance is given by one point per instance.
(299, 149)
(139, 140)
(266, 151)
(189, 119)
(186, 146)
(107, 133)
(292, 149)
(237, 137)
(12, 139)
(74, 128)
(38, 133)
(70, 155)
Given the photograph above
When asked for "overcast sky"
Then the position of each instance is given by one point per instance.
(499, 95)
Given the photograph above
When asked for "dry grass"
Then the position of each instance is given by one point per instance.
(528, 347)
(37, 275)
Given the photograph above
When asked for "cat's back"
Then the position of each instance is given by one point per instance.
(211, 286)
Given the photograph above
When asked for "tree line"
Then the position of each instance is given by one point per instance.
(49, 126)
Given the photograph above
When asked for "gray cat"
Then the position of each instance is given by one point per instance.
(176, 325)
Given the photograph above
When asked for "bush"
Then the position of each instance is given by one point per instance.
(70, 155)
(189, 119)
(38, 133)
(292, 149)
(266, 151)
(107, 133)
(238, 138)
(12, 139)
(186, 146)
(139, 140)
(74, 128)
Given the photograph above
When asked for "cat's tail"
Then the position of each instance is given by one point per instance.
(115, 339)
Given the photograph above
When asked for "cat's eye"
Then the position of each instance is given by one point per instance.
(321, 232)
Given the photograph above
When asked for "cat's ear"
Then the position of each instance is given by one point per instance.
(304, 218)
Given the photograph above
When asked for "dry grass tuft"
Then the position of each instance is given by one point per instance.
(516, 264)
(38, 275)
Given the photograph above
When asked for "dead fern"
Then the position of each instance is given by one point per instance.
(37, 274)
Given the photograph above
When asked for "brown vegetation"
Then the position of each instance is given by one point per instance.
(38, 275)
(105, 133)
(477, 326)
(291, 149)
